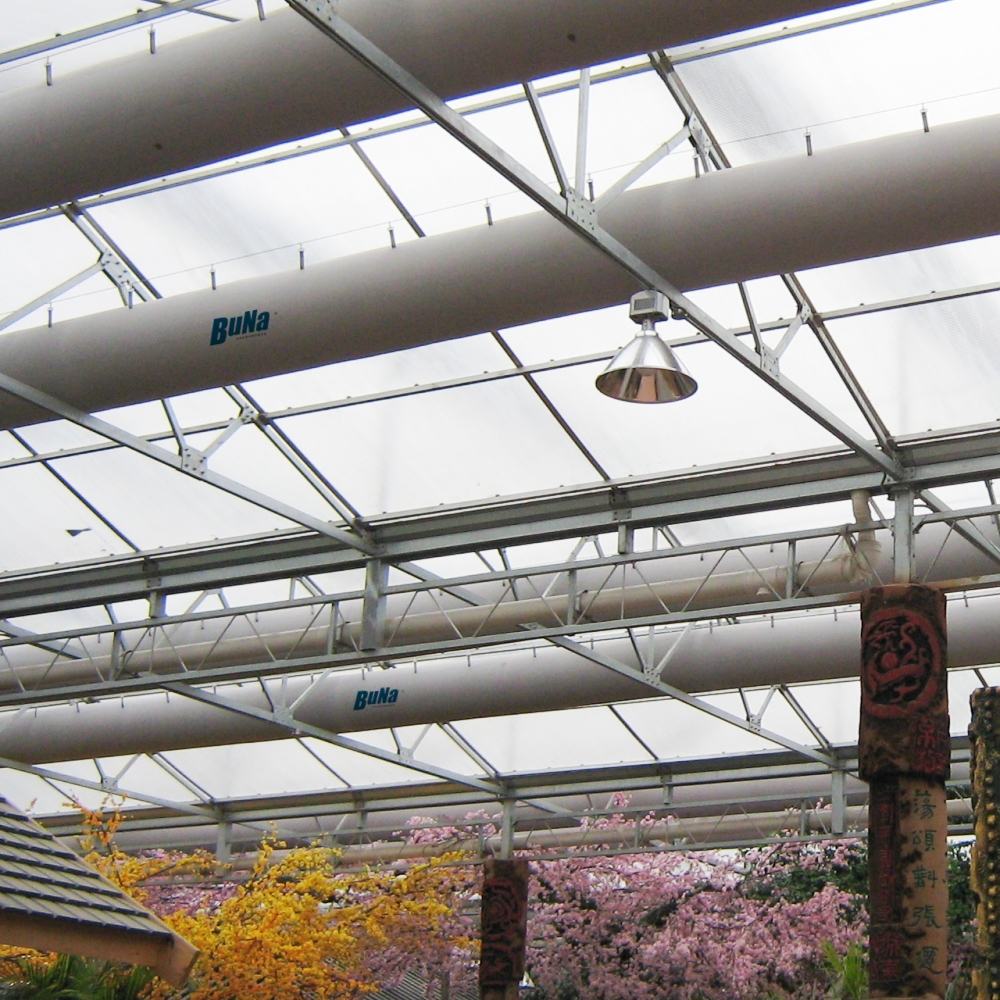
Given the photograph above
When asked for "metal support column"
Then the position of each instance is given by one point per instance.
(373, 609)
(902, 537)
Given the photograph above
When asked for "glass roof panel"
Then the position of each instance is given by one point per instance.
(44, 523)
(359, 770)
(464, 444)
(160, 506)
(550, 740)
(852, 82)
(732, 416)
(252, 768)
(934, 366)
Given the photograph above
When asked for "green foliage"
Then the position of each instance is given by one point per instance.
(70, 977)
(848, 973)
(961, 898)
(786, 876)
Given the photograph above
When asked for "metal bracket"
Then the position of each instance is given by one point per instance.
(284, 717)
(116, 269)
(193, 462)
(249, 414)
(581, 211)
(768, 361)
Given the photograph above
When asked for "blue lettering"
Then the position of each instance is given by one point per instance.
(235, 325)
(383, 696)
(219, 330)
(263, 320)
(360, 701)
(249, 321)
(393, 695)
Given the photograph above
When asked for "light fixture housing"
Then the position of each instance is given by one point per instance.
(647, 370)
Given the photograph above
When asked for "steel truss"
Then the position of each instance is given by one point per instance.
(909, 467)
(934, 460)
(776, 793)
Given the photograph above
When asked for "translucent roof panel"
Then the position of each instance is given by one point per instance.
(501, 414)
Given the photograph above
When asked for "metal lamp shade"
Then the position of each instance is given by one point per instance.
(646, 371)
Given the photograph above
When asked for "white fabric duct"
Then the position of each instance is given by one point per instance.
(861, 200)
(255, 84)
(710, 657)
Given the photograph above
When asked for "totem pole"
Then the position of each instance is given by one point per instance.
(905, 753)
(504, 928)
(985, 773)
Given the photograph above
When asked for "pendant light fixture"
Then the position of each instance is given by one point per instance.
(647, 370)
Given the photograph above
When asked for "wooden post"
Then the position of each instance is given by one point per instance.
(905, 754)
(504, 928)
(985, 773)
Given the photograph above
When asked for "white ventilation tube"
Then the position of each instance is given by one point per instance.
(247, 86)
(301, 632)
(870, 198)
(712, 656)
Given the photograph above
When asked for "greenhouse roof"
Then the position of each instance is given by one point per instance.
(544, 594)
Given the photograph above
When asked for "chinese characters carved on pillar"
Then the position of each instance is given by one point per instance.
(905, 755)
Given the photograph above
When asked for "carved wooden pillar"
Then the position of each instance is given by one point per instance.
(985, 772)
(905, 753)
(504, 928)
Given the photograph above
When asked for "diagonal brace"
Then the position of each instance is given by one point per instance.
(579, 216)
(286, 721)
(82, 419)
(688, 699)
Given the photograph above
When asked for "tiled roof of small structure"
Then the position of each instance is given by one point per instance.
(39, 877)
(414, 987)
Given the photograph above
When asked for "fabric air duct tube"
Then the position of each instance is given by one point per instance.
(258, 83)
(876, 197)
(750, 653)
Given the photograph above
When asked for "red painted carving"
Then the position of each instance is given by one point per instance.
(883, 834)
(931, 745)
(900, 652)
(889, 962)
(504, 923)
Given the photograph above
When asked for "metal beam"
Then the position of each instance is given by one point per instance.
(285, 720)
(196, 470)
(130, 20)
(693, 702)
(274, 667)
(793, 480)
(427, 581)
(577, 214)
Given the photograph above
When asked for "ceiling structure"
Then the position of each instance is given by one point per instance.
(452, 578)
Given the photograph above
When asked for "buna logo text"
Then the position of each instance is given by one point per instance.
(384, 696)
(250, 322)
